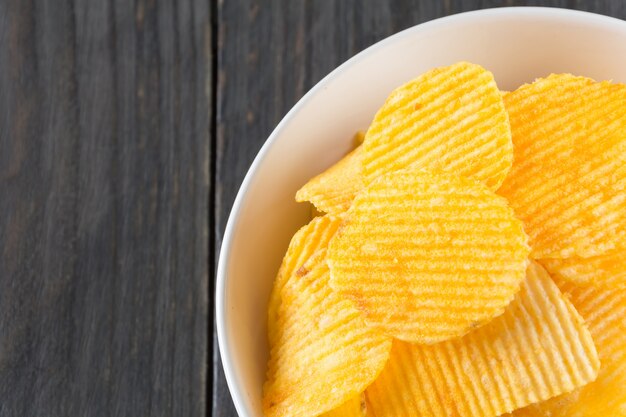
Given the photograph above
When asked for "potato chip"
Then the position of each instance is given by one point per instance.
(537, 349)
(354, 407)
(568, 182)
(604, 310)
(428, 257)
(611, 266)
(333, 190)
(450, 118)
(309, 240)
(323, 354)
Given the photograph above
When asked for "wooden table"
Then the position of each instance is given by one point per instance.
(126, 127)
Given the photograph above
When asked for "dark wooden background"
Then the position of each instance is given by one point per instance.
(126, 127)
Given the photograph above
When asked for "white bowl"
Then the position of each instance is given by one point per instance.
(516, 44)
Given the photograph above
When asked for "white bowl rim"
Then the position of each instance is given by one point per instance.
(232, 379)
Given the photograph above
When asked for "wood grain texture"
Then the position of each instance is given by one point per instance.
(110, 218)
(104, 190)
(270, 54)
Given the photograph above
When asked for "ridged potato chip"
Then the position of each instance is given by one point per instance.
(422, 237)
(609, 267)
(428, 257)
(603, 307)
(354, 407)
(568, 182)
(537, 349)
(312, 239)
(323, 354)
(451, 119)
(333, 190)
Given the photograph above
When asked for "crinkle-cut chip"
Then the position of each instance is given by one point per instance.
(333, 190)
(537, 349)
(558, 402)
(568, 182)
(603, 306)
(354, 407)
(311, 239)
(368, 412)
(451, 119)
(324, 353)
(428, 257)
(611, 266)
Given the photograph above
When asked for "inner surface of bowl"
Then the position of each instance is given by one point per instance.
(516, 44)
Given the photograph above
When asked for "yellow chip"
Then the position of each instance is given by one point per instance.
(451, 119)
(323, 354)
(311, 239)
(333, 190)
(589, 270)
(604, 309)
(428, 257)
(568, 182)
(537, 349)
(354, 407)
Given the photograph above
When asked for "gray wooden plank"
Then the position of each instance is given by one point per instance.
(104, 190)
(271, 53)
(38, 181)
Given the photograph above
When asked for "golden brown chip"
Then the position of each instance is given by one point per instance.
(354, 407)
(568, 181)
(603, 306)
(428, 257)
(537, 349)
(333, 190)
(323, 354)
(611, 266)
(451, 119)
(311, 239)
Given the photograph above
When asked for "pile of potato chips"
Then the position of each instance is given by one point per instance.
(466, 259)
